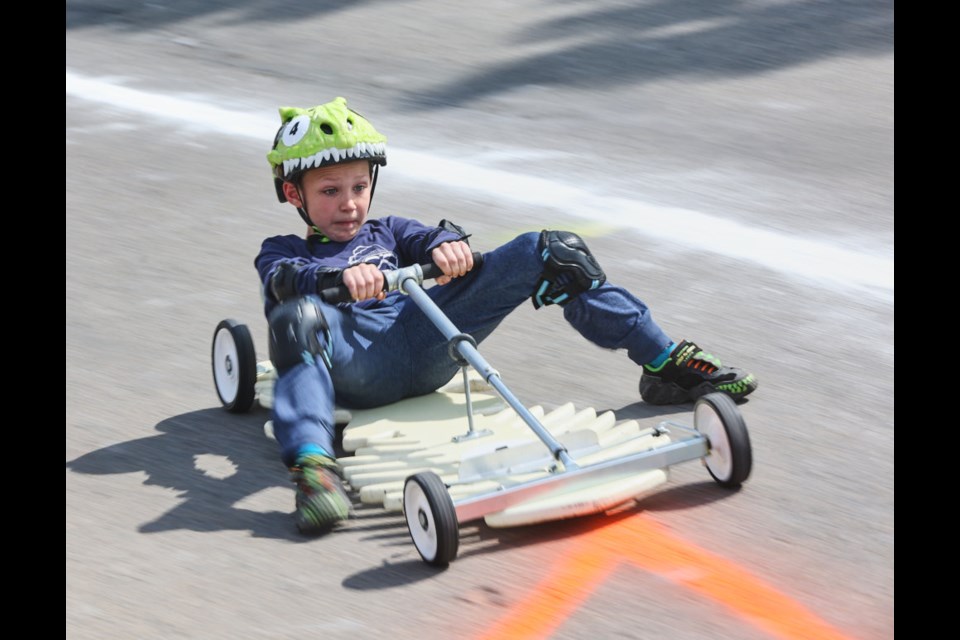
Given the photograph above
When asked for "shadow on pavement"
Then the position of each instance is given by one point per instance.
(476, 538)
(173, 460)
(209, 500)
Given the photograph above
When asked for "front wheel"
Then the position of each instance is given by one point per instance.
(730, 457)
(431, 518)
(234, 362)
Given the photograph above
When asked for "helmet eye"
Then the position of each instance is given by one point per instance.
(295, 130)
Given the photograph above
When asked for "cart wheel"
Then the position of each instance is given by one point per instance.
(234, 366)
(730, 458)
(431, 518)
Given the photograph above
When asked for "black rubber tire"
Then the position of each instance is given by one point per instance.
(730, 458)
(431, 518)
(234, 362)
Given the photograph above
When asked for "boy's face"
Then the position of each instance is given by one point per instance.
(335, 198)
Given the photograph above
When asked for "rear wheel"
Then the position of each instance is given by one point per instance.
(234, 361)
(730, 457)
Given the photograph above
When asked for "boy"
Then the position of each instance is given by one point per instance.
(381, 348)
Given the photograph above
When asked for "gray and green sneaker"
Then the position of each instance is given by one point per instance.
(322, 501)
(688, 373)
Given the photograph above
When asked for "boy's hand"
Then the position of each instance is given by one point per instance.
(364, 281)
(454, 259)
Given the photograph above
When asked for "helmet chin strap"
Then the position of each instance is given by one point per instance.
(375, 171)
(318, 235)
(302, 210)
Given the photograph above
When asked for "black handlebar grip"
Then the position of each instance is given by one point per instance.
(341, 293)
(432, 271)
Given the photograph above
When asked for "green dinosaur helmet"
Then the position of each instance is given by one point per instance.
(324, 135)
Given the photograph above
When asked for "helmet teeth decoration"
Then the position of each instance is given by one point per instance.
(327, 134)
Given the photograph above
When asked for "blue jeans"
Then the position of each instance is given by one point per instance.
(393, 351)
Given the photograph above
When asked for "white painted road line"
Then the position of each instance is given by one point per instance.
(831, 265)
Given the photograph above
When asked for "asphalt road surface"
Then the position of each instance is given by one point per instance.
(731, 163)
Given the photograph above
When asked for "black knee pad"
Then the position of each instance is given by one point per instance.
(299, 333)
(569, 269)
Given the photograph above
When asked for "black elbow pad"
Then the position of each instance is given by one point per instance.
(283, 282)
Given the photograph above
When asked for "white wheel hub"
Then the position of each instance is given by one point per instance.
(719, 459)
(226, 365)
(419, 515)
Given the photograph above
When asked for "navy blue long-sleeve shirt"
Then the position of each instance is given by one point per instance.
(388, 243)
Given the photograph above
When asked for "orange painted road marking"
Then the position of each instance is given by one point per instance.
(597, 553)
